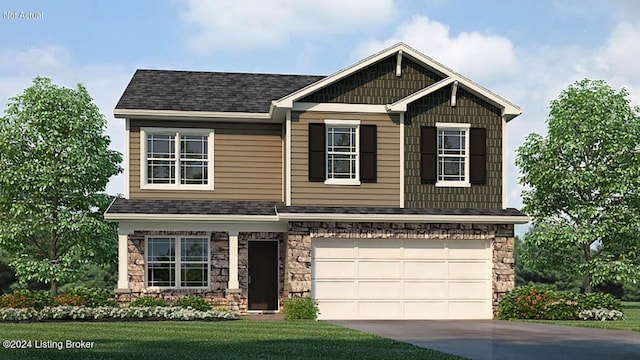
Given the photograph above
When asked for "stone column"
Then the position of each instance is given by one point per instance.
(233, 261)
(123, 260)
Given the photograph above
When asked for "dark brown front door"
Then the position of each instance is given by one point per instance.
(263, 275)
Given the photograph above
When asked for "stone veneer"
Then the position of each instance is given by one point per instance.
(295, 256)
(298, 281)
(217, 293)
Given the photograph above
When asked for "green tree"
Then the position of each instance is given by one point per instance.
(55, 166)
(582, 183)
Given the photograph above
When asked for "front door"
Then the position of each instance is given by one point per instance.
(263, 275)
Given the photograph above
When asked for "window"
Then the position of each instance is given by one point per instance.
(178, 262)
(176, 158)
(342, 152)
(453, 155)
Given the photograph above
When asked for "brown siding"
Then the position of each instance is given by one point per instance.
(247, 162)
(377, 84)
(470, 109)
(383, 193)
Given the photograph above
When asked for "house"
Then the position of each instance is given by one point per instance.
(378, 191)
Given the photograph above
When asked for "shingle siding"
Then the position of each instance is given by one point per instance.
(470, 109)
(377, 84)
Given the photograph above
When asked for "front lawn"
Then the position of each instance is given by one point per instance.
(241, 339)
(630, 323)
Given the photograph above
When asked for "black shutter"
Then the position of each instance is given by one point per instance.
(478, 156)
(428, 154)
(368, 154)
(317, 155)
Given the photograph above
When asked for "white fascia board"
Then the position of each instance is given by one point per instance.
(189, 217)
(401, 105)
(467, 219)
(190, 115)
(129, 226)
(510, 110)
(339, 107)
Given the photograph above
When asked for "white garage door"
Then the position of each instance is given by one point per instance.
(401, 279)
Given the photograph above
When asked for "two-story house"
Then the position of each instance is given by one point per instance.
(378, 191)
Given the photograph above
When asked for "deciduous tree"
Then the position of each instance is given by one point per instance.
(55, 162)
(582, 185)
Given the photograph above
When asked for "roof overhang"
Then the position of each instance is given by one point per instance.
(414, 218)
(192, 115)
(509, 110)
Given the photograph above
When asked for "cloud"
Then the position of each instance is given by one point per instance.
(105, 84)
(483, 57)
(253, 24)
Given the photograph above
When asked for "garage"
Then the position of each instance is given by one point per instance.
(401, 278)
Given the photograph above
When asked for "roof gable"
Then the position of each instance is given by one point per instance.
(407, 53)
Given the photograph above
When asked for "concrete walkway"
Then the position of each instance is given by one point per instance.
(492, 339)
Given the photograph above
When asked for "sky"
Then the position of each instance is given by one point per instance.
(527, 50)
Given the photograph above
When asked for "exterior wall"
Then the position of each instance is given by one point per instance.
(298, 282)
(377, 84)
(247, 162)
(386, 192)
(469, 109)
(217, 293)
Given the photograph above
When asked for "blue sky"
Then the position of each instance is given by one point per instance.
(527, 51)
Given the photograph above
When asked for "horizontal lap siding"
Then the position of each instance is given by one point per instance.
(247, 162)
(383, 193)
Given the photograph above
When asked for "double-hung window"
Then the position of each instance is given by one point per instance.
(453, 154)
(176, 159)
(342, 141)
(178, 262)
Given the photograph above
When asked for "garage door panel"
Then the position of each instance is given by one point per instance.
(380, 289)
(469, 269)
(469, 289)
(424, 249)
(380, 310)
(470, 310)
(467, 249)
(378, 249)
(379, 269)
(424, 310)
(334, 310)
(402, 279)
(425, 270)
(334, 249)
(335, 269)
(425, 289)
(336, 289)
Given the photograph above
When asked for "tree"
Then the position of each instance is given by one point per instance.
(582, 185)
(55, 166)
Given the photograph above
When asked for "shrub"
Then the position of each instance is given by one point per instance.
(535, 302)
(300, 308)
(109, 312)
(68, 299)
(148, 301)
(193, 302)
(26, 299)
(93, 297)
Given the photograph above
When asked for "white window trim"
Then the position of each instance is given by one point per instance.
(456, 126)
(178, 242)
(175, 131)
(347, 123)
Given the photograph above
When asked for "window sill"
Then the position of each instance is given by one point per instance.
(176, 187)
(160, 288)
(347, 182)
(453, 184)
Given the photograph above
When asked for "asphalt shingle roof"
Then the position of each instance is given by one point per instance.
(208, 91)
(215, 207)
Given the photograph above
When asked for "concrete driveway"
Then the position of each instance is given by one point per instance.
(487, 339)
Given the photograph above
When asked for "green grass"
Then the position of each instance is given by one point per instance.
(241, 339)
(630, 323)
